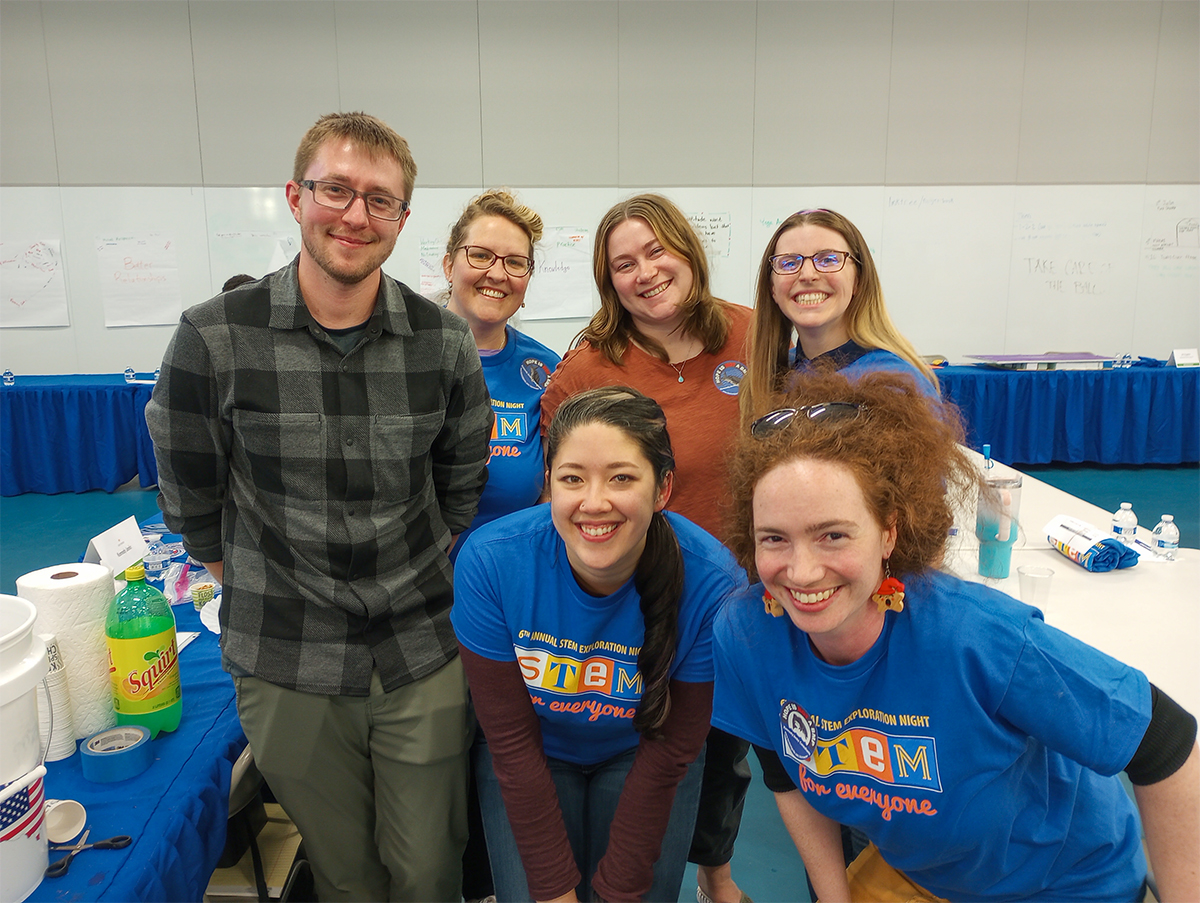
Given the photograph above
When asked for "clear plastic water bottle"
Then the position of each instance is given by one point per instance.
(155, 563)
(1166, 538)
(130, 376)
(1124, 523)
(9, 378)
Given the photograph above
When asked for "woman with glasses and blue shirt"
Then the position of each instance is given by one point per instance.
(818, 282)
(488, 263)
(976, 747)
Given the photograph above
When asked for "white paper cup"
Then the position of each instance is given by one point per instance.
(1035, 584)
(64, 820)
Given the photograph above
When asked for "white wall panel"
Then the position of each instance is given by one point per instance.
(264, 73)
(548, 86)
(416, 66)
(821, 92)
(1089, 83)
(687, 93)
(955, 103)
(27, 153)
(121, 93)
(1175, 127)
(964, 139)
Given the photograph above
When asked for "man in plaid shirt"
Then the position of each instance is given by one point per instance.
(321, 435)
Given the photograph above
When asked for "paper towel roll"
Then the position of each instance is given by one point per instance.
(72, 602)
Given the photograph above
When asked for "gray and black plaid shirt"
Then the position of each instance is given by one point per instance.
(329, 484)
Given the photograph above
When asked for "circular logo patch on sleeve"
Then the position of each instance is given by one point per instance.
(534, 373)
(799, 731)
(728, 376)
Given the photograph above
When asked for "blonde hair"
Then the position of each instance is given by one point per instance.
(496, 202)
(371, 134)
(704, 315)
(866, 319)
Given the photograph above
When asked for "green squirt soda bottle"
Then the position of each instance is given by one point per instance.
(143, 660)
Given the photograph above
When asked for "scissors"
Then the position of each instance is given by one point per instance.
(59, 867)
(109, 843)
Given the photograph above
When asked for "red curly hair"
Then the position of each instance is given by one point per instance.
(903, 450)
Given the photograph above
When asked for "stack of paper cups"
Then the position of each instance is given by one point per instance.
(58, 739)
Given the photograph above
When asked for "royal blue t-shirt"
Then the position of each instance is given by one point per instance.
(977, 746)
(853, 360)
(515, 598)
(516, 378)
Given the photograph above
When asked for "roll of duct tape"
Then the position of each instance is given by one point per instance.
(116, 754)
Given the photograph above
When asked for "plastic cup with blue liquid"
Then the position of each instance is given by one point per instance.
(996, 523)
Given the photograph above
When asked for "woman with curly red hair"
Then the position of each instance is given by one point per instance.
(977, 747)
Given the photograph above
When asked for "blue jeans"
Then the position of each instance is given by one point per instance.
(587, 795)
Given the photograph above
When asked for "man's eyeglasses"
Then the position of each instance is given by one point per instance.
(825, 412)
(339, 197)
(482, 259)
(823, 262)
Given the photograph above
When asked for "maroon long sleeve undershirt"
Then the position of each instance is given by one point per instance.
(513, 732)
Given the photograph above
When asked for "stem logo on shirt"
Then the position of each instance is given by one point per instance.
(893, 759)
(728, 376)
(547, 672)
(535, 373)
(509, 426)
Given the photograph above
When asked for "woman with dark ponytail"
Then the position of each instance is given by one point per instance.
(585, 628)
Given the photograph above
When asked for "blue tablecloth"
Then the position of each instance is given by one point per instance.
(176, 811)
(73, 434)
(1140, 415)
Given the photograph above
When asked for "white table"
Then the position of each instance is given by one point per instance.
(1147, 616)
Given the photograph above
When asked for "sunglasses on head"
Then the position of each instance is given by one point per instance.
(824, 412)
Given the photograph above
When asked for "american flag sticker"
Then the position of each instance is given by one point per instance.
(23, 812)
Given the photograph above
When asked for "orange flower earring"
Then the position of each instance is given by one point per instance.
(890, 594)
(771, 604)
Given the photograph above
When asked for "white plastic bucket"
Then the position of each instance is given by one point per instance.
(23, 852)
(23, 664)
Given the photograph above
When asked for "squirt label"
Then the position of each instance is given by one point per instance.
(145, 673)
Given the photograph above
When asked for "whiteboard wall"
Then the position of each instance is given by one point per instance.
(1024, 171)
(1112, 269)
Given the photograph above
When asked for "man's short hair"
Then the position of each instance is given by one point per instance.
(371, 134)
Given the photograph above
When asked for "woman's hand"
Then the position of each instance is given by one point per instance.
(568, 897)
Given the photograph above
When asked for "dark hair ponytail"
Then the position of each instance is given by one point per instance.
(658, 577)
(659, 582)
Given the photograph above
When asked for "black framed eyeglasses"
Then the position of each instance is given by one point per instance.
(482, 259)
(825, 412)
(338, 197)
(828, 261)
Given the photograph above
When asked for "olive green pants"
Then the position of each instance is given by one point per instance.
(377, 785)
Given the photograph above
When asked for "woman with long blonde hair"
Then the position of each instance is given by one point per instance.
(817, 282)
